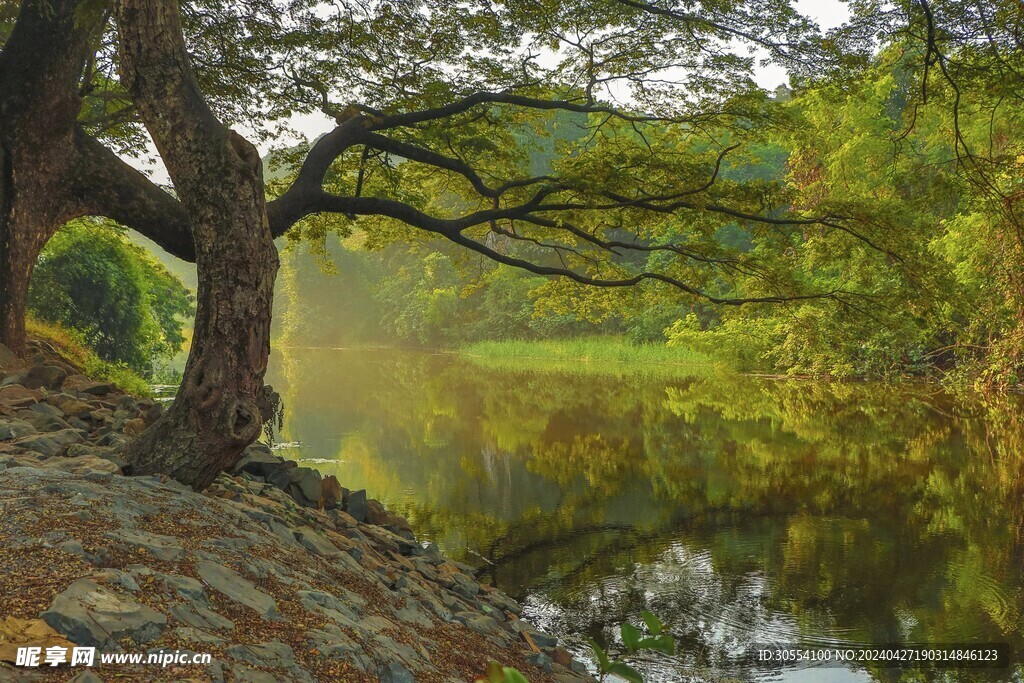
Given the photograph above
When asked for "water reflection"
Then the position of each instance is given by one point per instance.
(741, 510)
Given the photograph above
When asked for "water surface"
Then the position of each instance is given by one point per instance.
(740, 510)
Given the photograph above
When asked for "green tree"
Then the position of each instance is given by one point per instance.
(127, 306)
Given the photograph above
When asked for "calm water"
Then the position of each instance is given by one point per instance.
(742, 511)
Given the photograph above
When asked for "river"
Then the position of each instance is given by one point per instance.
(744, 511)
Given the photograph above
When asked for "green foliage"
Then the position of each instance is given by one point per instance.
(496, 673)
(72, 346)
(124, 305)
(635, 643)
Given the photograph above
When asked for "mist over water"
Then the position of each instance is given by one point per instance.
(743, 511)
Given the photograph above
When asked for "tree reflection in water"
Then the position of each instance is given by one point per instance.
(741, 510)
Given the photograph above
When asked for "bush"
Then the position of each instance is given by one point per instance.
(125, 305)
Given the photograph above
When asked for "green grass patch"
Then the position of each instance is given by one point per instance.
(70, 346)
(613, 356)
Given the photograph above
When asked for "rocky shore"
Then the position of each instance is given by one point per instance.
(276, 572)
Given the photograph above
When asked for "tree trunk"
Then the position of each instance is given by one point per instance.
(39, 69)
(217, 175)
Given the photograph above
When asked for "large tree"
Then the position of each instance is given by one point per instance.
(436, 105)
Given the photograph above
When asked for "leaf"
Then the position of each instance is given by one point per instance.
(630, 637)
(624, 670)
(513, 676)
(602, 656)
(653, 623)
(663, 643)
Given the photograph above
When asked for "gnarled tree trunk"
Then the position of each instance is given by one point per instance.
(39, 70)
(217, 175)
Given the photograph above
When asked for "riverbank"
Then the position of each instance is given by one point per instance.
(605, 356)
(278, 573)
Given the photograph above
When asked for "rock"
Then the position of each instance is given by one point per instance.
(85, 676)
(47, 409)
(433, 554)
(18, 396)
(315, 542)
(15, 429)
(7, 357)
(301, 483)
(85, 465)
(235, 586)
(164, 548)
(43, 421)
(46, 376)
(134, 427)
(393, 672)
(331, 491)
(13, 378)
(356, 505)
(259, 460)
(89, 614)
(541, 661)
(375, 512)
(317, 601)
(97, 388)
(70, 405)
(200, 617)
(51, 443)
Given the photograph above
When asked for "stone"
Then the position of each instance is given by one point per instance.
(332, 492)
(92, 615)
(85, 676)
(97, 388)
(47, 409)
(18, 396)
(200, 617)
(51, 443)
(162, 547)
(87, 465)
(15, 429)
(393, 672)
(71, 406)
(238, 588)
(42, 421)
(134, 427)
(191, 634)
(325, 603)
(7, 357)
(45, 376)
(356, 505)
(542, 661)
(185, 586)
(315, 542)
(259, 460)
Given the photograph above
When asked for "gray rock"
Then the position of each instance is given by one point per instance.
(44, 376)
(356, 505)
(194, 635)
(433, 554)
(42, 421)
(334, 643)
(245, 674)
(316, 542)
(238, 588)
(258, 459)
(7, 357)
(90, 614)
(47, 409)
(164, 548)
(85, 676)
(51, 443)
(200, 617)
(15, 429)
(316, 601)
(185, 586)
(542, 661)
(309, 484)
(393, 672)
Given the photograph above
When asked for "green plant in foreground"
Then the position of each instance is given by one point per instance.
(656, 640)
(635, 642)
(496, 673)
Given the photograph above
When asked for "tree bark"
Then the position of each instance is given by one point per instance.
(40, 66)
(217, 175)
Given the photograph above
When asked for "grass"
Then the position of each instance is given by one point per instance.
(69, 346)
(612, 356)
